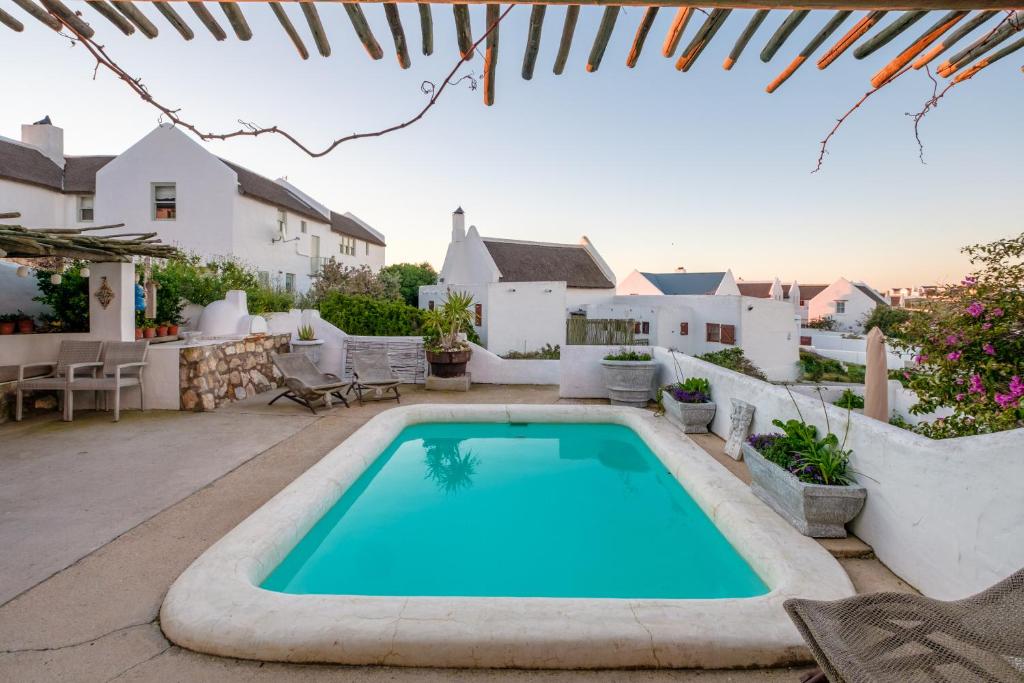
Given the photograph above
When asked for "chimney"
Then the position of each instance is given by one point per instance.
(458, 225)
(680, 269)
(47, 138)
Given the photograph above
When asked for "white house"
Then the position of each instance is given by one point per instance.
(523, 290)
(772, 289)
(846, 302)
(679, 282)
(169, 184)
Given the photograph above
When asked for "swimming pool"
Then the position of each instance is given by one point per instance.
(516, 510)
(507, 536)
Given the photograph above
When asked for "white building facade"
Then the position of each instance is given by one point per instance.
(168, 184)
(846, 302)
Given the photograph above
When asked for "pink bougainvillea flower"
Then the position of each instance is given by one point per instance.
(1016, 386)
(989, 349)
(986, 326)
(920, 358)
(960, 381)
(976, 386)
(970, 280)
(975, 309)
(1006, 400)
(951, 340)
(997, 313)
(961, 397)
(906, 375)
(955, 355)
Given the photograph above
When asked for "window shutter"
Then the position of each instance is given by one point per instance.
(479, 315)
(713, 332)
(806, 341)
(645, 328)
(728, 334)
(636, 327)
(684, 329)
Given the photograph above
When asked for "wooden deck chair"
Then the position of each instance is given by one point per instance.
(123, 365)
(305, 383)
(74, 357)
(372, 372)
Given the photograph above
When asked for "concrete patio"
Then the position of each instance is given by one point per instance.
(105, 516)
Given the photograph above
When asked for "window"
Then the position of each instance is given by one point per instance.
(636, 327)
(85, 207)
(348, 245)
(840, 307)
(479, 317)
(684, 329)
(430, 305)
(289, 282)
(803, 302)
(165, 201)
(645, 328)
(302, 227)
(367, 248)
(713, 332)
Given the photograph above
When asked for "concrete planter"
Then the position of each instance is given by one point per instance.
(813, 509)
(629, 381)
(311, 348)
(692, 418)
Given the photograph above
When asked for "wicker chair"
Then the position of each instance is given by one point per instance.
(73, 357)
(902, 638)
(305, 382)
(123, 365)
(372, 371)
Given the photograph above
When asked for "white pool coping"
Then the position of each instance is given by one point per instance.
(216, 606)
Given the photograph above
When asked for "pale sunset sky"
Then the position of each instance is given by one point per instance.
(659, 168)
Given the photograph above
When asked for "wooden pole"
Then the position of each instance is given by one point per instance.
(782, 33)
(175, 20)
(641, 36)
(362, 29)
(112, 15)
(533, 39)
(463, 31)
(572, 14)
(954, 37)
(397, 34)
(827, 30)
(237, 20)
(851, 37)
(135, 15)
(289, 29)
(604, 34)
(64, 14)
(882, 38)
(491, 53)
(741, 42)
(927, 38)
(1011, 25)
(987, 61)
(426, 28)
(675, 30)
(700, 41)
(316, 28)
(207, 20)
(10, 22)
(38, 13)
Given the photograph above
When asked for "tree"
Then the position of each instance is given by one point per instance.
(886, 318)
(349, 280)
(411, 276)
(826, 324)
(969, 344)
(68, 299)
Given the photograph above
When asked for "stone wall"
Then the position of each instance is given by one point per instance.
(217, 373)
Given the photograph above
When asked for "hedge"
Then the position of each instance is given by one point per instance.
(363, 315)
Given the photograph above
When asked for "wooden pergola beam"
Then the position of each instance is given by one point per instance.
(175, 20)
(675, 30)
(955, 37)
(38, 13)
(641, 36)
(10, 22)
(533, 34)
(940, 27)
(69, 17)
(854, 5)
(572, 14)
(362, 29)
(397, 34)
(820, 37)
(463, 30)
(237, 20)
(744, 38)
(289, 29)
(135, 15)
(701, 39)
(851, 37)
(982, 45)
(604, 34)
(782, 33)
(426, 28)
(207, 20)
(987, 61)
(112, 15)
(316, 27)
(885, 36)
(17, 241)
(491, 52)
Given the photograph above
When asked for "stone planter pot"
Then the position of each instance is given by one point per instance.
(309, 347)
(692, 418)
(813, 509)
(448, 363)
(629, 381)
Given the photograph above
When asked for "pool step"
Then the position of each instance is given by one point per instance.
(850, 547)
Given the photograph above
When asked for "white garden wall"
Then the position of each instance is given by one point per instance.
(488, 368)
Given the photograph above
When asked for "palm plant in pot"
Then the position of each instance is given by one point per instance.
(688, 404)
(444, 340)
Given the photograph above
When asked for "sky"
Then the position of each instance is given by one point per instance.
(659, 168)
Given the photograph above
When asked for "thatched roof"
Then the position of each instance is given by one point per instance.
(547, 262)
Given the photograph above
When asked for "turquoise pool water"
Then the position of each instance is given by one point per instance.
(516, 510)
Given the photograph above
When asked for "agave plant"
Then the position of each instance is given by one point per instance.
(306, 333)
(444, 325)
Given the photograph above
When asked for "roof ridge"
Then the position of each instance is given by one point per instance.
(532, 242)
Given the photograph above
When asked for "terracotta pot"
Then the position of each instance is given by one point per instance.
(172, 330)
(161, 330)
(448, 363)
(7, 327)
(138, 333)
(26, 326)
(149, 332)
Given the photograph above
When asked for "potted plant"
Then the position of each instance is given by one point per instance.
(805, 478)
(25, 323)
(307, 343)
(161, 330)
(8, 321)
(688, 404)
(172, 329)
(629, 376)
(148, 329)
(447, 350)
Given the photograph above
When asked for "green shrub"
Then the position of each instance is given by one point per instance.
(887, 319)
(849, 400)
(68, 301)
(263, 300)
(628, 354)
(820, 369)
(826, 324)
(733, 359)
(363, 315)
(546, 352)
(411, 276)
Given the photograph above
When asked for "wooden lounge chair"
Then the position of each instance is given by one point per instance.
(372, 372)
(902, 638)
(74, 357)
(123, 365)
(305, 382)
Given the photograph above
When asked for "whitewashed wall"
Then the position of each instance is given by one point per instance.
(580, 373)
(39, 207)
(524, 316)
(858, 305)
(488, 368)
(848, 350)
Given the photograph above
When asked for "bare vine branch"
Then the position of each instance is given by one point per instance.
(249, 129)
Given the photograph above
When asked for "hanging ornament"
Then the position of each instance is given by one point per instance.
(104, 294)
(84, 272)
(22, 271)
(55, 279)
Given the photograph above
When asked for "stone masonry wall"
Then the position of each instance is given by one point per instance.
(215, 374)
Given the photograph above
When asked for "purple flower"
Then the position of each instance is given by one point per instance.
(989, 349)
(684, 396)
(986, 326)
(961, 396)
(970, 280)
(951, 340)
(955, 355)
(1006, 400)
(997, 313)
(976, 386)
(1016, 386)
(920, 358)
(975, 309)
(762, 442)
(960, 381)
